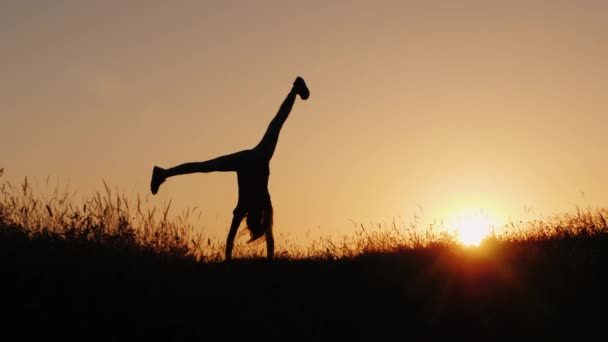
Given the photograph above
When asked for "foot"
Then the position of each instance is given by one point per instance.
(158, 178)
(299, 86)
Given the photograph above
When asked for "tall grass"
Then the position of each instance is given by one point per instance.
(110, 219)
(107, 218)
(582, 223)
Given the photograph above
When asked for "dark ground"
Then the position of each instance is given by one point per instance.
(76, 291)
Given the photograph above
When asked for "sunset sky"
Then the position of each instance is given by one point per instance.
(433, 108)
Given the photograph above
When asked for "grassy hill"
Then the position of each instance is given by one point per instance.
(94, 275)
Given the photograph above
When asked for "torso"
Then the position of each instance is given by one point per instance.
(253, 183)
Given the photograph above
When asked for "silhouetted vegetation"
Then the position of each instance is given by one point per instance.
(107, 268)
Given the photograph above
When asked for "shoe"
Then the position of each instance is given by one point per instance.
(301, 89)
(157, 179)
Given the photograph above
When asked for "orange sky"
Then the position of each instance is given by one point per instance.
(450, 106)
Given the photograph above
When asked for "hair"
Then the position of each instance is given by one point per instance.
(259, 221)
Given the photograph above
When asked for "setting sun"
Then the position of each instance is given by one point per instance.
(472, 228)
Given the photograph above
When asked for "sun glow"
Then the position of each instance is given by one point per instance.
(472, 228)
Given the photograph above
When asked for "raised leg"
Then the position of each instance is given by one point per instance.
(268, 143)
(231, 162)
(234, 226)
(225, 163)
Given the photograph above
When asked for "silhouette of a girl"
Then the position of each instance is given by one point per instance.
(253, 170)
